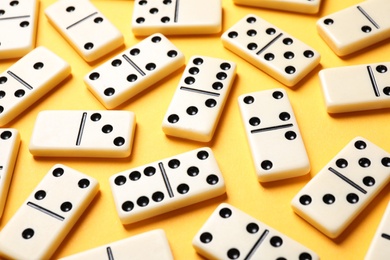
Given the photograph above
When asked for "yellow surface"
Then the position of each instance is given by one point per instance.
(324, 135)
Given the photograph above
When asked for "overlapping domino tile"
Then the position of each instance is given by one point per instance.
(299, 6)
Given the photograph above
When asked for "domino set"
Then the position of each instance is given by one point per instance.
(329, 202)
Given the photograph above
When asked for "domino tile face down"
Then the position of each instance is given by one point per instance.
(344, 187)
(176, 17)
(134, 70)
(229, 233)
(76, 133)
(151, 245)
(380, 245)
(28, 80)
(198, 102)
(171, 183)
(299, 6)
(270, 49)
(45, 218)
(356, 88)
(276, 144)
(18, 27)
(87, 30)
(366, 23)
(9, 148)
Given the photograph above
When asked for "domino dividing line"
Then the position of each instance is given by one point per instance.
(347, 180)
(15, 17)
(110, 254)
(269, 44)
(199, 91)
(373, 81)
(257, 244)
(369, 18)
(135, 66)
(80, 21)
(271, 128)
(46, 211)
(20, 80)
(176, 17)
(81, 128)
(166, 180)
(385, 236)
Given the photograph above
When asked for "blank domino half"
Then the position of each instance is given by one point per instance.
(76, 133)
(299, 6)
(166, 185)
(344, 187)
(9, 147)
(229, 233)
(151, 245)
(176, 17)
(28, 80)
(366, 23)
(270, 49)
(380, 245)
(199, 99)
(87, 30)
(356, 88)
(49, 213)
(18, 27)
(134, 70)
(277, 148)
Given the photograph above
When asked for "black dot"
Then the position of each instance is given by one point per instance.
(193, 70)
(198, 61)
(153, 11)
(143, 2)
(288, 41)
(217, 85)
(210, 102)
(225, 213)
(288, 55)
(225, 66)
(290, 135)
(386, 161)
(58, 172)
(40, 195)
(83, 183)
(233, 253)
(328, 21)
(369, 181)
(149, 171)
(189, 80)
(212, 179)
(341, 163)
(252, 228)
(249, 100)
(38, 65)
(381, 68)
(206, 237)
(173, 119)
(251, 33)
(88, 46)
(386, 91)
(270, 31)
(70, 9)
(352, 198)
(254, 121)
(221, 75)
(107, 129)
(158, 196)
(165, 19)
(150, 66)
(127, 206)
(135, 52)
(193, 171)
(120, 180)
(2, 94)
(94, 76)
(276, 241)
(143, 201)
(277, 95)
(290, 69)
(251, 19)
(66, 206)
(252, 46)
(232, 35)
(134, 176)
(132, 78)
(360, 145)
(269, 56)
(366, 29)
(119, 141)
(183, 188)
(96, 117)
(109, 92)
(156, 39)
(174, 163)
(98, 20)
(192, 110)
(6, 135)
(202, 155)
(140, 20)
(172, 53)
(305, 256)
(308, 54)
(19, 93)
(328, 199)
(305, 200)
(364, 162)
(284, 116)
(28, 233)
(3, 80)
(116, 63)
(266, 165)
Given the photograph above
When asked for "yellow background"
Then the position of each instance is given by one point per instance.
(324, 136)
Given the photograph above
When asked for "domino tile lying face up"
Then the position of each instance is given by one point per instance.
(9, 148)
(270, 49)
(299, 6)
(344, 187)
(380, 245)
(356, 27)
(176, 17)
(18, 27)
(134, 70)
(276, 144)
(199, 99)
(48, 214)
(355, 88)
(151, 245)
(166, 185)
(28, 80)
(74, 133)
(230, 233)
(89, 32)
